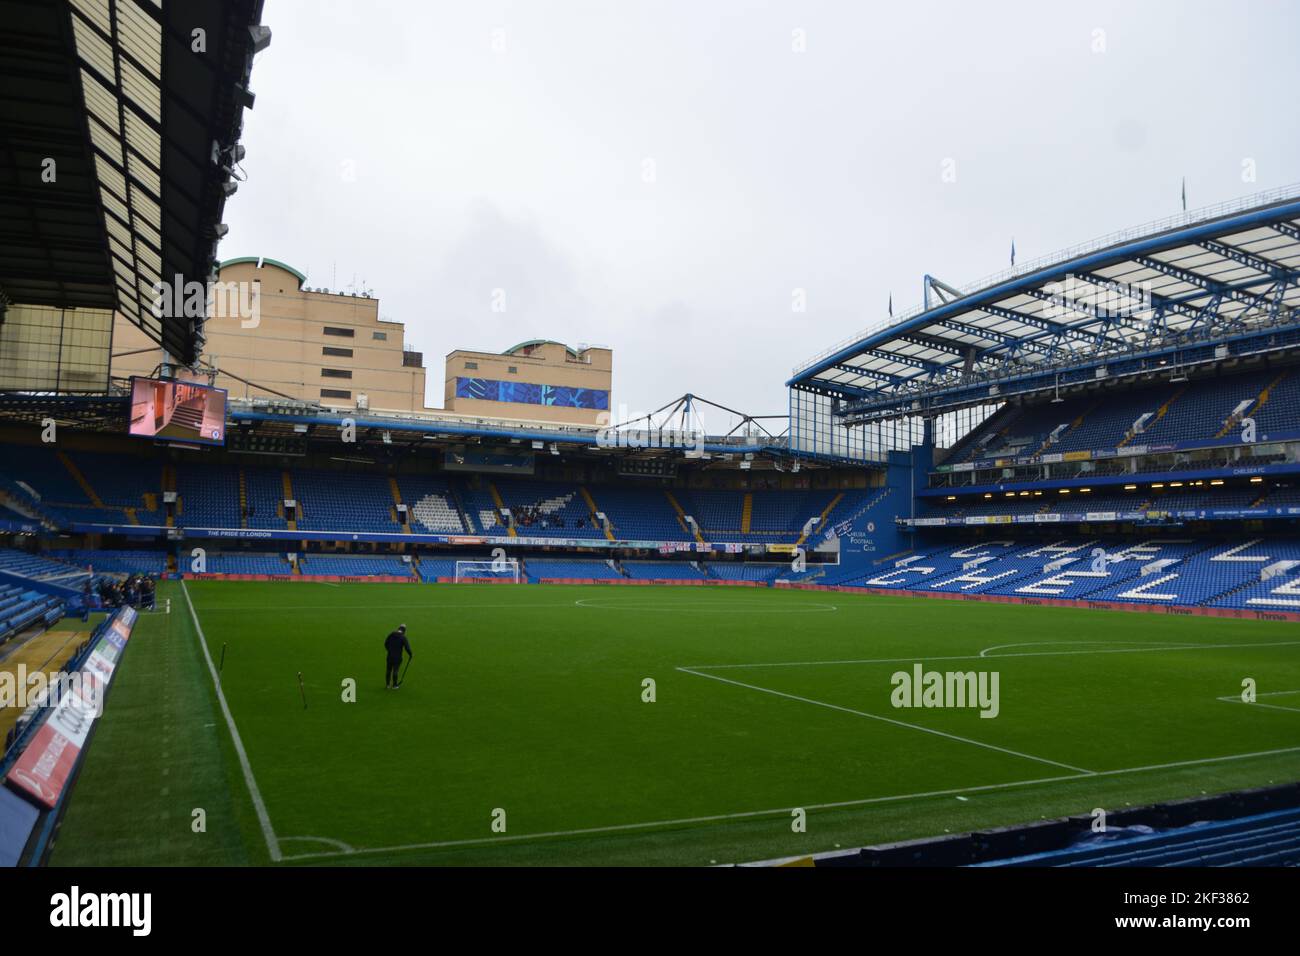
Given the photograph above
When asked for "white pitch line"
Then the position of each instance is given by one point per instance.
(1146, 644)
(272, 844)
(381, 607)
(707, 608)
(980, 656)
(1236, 699)
(785, 811)
(889, 720)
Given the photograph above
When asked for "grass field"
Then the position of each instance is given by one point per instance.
(529, 700)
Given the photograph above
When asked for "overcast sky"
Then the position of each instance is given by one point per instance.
(661, 177)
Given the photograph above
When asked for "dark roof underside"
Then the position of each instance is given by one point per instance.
(113, 94)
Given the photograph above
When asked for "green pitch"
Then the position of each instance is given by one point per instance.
(525, 706)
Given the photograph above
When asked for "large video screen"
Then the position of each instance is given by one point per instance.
(177, 411)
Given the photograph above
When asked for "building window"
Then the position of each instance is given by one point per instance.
(335, 373)
(379, 336)
(341, 333)
(513, 370)
(334, 393)
(473, 365)
(332, 350)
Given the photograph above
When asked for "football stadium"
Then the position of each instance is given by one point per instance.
(1010, 578)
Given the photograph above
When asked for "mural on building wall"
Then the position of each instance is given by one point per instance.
(528, 393)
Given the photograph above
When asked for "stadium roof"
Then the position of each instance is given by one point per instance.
(119, 123)
(1215, 273)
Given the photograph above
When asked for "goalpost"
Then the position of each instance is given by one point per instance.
(505, 569)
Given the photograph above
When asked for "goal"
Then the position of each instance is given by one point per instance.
(505, 569)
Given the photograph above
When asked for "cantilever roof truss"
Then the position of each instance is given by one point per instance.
(1214, 273)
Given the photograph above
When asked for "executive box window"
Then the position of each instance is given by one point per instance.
(335, 373)
(334, 393)
(341, 333)
(473, 365)
(379, 336)
(331, 350)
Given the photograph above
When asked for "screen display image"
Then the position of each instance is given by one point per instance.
(179, 411)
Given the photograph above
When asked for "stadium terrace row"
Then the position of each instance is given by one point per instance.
(22, 605)
(89, 488)
(1169, 413)
(1253, 573)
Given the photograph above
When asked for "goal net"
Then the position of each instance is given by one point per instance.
(505, 569)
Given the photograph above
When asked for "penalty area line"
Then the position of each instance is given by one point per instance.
(891, 720)
(259, 805)
(784, 811)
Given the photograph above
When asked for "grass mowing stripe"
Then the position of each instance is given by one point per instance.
(159, 754)
(780, 811)
(888, 720)
(263, 819)
(540, 712)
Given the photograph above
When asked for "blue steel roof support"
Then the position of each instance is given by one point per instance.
(1201, 282)
(1258, 263)
(1273, 212)
(1286, 229)
(871, 373)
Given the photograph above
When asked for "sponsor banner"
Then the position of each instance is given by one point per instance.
(976, 519)
(1046, 519)
(42, 769)
(781, 549)
(928, 522)
(963, 466)
(1101, 516)
(1076, 456)
(1051, 459)
(290, 576)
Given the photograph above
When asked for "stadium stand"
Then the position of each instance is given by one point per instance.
(269, 564)
(1265, 839)
(1251, 573)
(316, 565)
(542, 569)
(114, 561)
(20, 609)
(663, 571)
(1188, 412)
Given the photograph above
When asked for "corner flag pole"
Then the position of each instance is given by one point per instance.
(302, 690)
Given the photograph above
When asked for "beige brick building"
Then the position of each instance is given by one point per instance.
(538, 380)
(312, 346)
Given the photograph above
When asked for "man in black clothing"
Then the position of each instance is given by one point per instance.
(395, 643)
